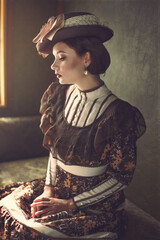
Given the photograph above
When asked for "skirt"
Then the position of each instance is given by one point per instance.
(16, 222)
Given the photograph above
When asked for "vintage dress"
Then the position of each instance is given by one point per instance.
(103, 142)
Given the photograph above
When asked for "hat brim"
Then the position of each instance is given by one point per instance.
(103, 33)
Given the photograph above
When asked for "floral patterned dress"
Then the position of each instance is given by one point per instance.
(95, 163)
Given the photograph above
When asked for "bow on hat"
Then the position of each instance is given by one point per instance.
(48, 31)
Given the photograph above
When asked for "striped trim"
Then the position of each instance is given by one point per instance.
(70, 106)
(83, 108)
(68, 98)
(98, 193)
(111, 99)
(89, 112)
(104, 101)
(81, 111)
(75, 112)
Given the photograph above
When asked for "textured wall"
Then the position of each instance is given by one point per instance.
(31, 73)
(133, 76)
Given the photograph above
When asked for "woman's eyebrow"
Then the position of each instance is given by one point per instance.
(59, 52)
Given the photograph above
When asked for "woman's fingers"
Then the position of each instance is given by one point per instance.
(44, 212)
(41, 199)
(44, 206)
(47, 213)
(33, 211)
(37, 205)
(40, 204)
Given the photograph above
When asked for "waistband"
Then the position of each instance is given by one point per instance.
(81, 170)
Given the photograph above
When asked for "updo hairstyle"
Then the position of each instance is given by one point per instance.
(100, 58)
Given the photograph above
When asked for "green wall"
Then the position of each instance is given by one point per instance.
(133, 76)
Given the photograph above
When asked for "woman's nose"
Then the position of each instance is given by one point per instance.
(54, 66)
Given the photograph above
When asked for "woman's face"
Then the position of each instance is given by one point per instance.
(68, 66)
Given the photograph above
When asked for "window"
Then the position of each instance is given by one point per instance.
(5, 54)
(2, 54)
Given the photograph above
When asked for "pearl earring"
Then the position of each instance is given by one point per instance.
(86, 72)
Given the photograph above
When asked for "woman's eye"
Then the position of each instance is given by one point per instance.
(62, 58)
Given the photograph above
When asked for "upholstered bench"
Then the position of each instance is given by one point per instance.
(20, 138)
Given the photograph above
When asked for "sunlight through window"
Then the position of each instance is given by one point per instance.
(2, 52)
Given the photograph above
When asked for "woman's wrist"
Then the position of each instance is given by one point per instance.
(49, 190)
(71, 207)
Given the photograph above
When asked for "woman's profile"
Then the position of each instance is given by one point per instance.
(91, 136)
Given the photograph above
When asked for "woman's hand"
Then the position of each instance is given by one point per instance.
(48, 192)
(47, 206)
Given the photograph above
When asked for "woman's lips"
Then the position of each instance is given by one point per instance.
(58, 75)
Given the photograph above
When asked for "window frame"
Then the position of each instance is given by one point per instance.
(6, 55)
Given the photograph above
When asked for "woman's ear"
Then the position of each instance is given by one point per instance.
(87, 59)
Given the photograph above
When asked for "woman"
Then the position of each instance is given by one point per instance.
(91, 136)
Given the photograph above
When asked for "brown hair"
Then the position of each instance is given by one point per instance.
(100, 58)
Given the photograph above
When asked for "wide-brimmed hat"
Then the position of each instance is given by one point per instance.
(70, 25)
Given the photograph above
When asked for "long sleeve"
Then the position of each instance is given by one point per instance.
(51, 171)
(116, 142)
(120, 156)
